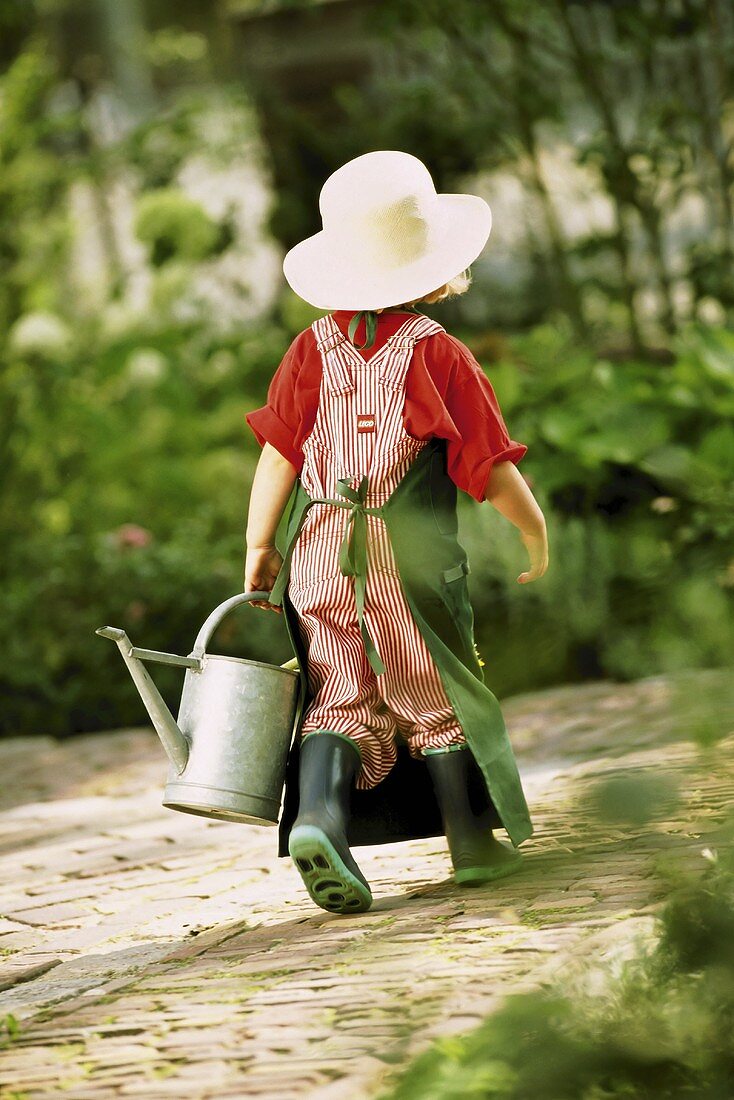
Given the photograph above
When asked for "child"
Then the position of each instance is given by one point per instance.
(379, 415)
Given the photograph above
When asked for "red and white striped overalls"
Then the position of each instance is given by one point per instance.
(359, 432)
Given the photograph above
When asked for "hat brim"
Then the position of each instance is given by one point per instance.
(327, 280)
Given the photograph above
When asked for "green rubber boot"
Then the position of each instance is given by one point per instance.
(317, 842)
(476, 854)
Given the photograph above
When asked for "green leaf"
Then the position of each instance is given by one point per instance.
(716, 449)
(671, 463)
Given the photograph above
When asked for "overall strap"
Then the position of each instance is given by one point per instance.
(337, 376)
(394, 367)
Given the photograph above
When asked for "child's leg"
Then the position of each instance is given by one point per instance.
(411, 686)
(476, 854)
(318, 840)
(342, 683)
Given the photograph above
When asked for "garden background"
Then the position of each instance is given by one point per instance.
(156, 161)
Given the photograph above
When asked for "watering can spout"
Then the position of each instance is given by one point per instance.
(172, 739)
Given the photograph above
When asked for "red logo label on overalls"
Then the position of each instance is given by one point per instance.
(365, 422)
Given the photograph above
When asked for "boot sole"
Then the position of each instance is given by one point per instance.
(477, 875)
(328, 880)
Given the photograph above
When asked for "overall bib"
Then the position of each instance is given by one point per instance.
(370, 673)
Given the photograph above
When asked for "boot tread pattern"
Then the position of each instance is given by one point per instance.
(328, 880)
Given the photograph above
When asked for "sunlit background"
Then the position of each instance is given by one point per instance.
(156, 161)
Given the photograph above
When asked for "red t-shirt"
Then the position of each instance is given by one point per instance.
(447, 394)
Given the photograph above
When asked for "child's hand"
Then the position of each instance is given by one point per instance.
(262, 565)
(537, 548)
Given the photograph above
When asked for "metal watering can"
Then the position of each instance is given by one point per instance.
(236, 720)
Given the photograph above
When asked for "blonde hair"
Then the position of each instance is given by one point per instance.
(452, 289)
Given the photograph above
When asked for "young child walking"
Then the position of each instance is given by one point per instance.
(378, 416)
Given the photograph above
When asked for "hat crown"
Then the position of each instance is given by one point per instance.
(387, 236)
(380, 205)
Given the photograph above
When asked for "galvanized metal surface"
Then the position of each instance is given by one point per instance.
(164, 658)
(236, 720)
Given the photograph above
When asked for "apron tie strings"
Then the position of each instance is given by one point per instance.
(353, 558)
(352, 555)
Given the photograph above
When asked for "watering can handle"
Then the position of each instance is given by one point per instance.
(214, 619)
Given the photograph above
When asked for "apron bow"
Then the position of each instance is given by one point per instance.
(352, 555)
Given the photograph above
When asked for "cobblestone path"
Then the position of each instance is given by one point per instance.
(147, 953)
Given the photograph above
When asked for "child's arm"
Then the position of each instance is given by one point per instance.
(508, 491)
(271, 488)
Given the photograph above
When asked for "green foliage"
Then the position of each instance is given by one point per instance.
(295, 314)
(176, 227)
(34, 230)
(661, 1028)
(10, 1026)
(129, 462)
(126, 459)
(632, 464)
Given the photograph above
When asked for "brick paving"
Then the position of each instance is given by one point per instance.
(146, 953)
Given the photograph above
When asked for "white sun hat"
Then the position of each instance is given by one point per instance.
(387, 236)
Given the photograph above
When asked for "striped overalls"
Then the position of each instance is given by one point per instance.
(369, 671)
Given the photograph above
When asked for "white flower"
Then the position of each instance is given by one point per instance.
(146, 365)
(40, 331)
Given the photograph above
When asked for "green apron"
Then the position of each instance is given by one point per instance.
(422, 523)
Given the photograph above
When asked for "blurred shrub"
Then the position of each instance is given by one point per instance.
(633, 464)
(174, 226)
(634, 797)
(60, 677)
(661, 1028)
(129, 464)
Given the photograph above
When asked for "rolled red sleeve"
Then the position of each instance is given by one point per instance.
(277, 422)
(484, 439)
